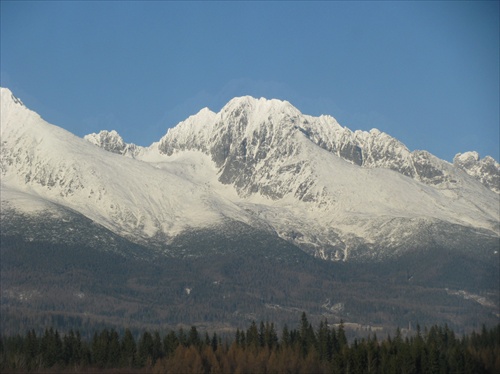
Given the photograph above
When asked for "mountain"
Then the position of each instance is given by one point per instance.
(340, 181)
(258, 179)
(111, 141)
(485, 170)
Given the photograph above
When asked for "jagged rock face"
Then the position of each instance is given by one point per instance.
(249, 141)
(250, 154)
(108, 140)
(111, 141)
(486, 170)
(432, 171)
(381, 150)
(253, 141)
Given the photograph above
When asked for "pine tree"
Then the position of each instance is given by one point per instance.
(324, 341)
(51, 348)
(31, 349)
(114, 350)
(145, 349)
(69, 348)
(285, 337)
(271, 338)
(128, 350)
(341, 337)
(262, 334)
(181, 336)
(157, 349)
(100, 348)
(215, 341)
(170, 343)
(307, 336)
(372, 355)
(252, 336)
(194, 338)
(237, 338)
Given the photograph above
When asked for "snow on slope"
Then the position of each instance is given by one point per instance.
(309, 169)
(128, 196)
(321, 186)
(269, 147)
(486, 170)
(111, 141)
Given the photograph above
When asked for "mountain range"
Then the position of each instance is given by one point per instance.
(258, 178)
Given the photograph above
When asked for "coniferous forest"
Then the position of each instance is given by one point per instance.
(258, 349)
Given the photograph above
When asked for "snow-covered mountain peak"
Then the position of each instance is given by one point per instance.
(241, 118)
(466, 159)
(111, 141)
(251, 131)
(253, 102)
(205, 112)
(258, 161)
(13, 107)
(259, 109)
(8, 96)
(16, 119)
(193, 132)
(131, 197)
(486, 170)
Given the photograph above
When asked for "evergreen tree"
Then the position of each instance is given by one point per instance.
(237, 338)
(170, 343)
(252, 336)
(215, 341)
(181, 336)
(341, 337)
(438, 350)
(114, 349)
(372, 355)
(145, 349)
(51, 348)
(69, 348)
(324, 342)
(128, 350)
(31, 349)
(194, 337)
(307, 336)
(271, 337)
(285, 336)
(100, 348)
(157, 349)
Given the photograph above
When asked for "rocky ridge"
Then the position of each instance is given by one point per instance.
(334, 193)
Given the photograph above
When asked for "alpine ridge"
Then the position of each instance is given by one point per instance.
(255, 212)
(335, 193)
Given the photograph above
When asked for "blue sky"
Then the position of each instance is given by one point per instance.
(426, 73)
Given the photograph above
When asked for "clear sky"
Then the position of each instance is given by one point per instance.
(426, 73)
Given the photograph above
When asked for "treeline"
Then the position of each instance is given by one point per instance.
(258, 349)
